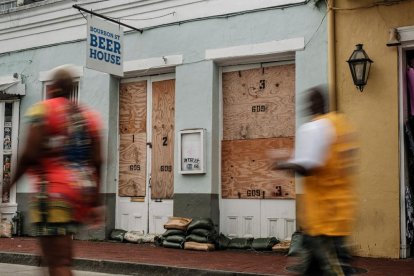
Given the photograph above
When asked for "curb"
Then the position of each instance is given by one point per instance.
(117, 267)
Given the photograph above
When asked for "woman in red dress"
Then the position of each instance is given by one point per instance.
(63, 154)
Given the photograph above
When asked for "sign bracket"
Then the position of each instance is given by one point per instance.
(106, 18)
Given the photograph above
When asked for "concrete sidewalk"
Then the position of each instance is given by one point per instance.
(134, 259)
(26, 270)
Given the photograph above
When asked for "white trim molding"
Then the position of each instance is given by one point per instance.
(261, 52)
(406, 33)
(152, 66)
(77, 72)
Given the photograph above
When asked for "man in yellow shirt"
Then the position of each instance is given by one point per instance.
(325, 155)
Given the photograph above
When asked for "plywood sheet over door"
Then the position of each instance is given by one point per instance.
(246, 170)
(258, 115)
(259, 103)
(163, 113)
(133, 129)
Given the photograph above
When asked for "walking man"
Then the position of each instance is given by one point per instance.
(325, 155)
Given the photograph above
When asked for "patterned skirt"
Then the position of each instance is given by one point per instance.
(52, 217)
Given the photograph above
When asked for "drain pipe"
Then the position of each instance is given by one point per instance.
(333, 97)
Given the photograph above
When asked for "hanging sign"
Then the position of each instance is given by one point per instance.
(104, 50)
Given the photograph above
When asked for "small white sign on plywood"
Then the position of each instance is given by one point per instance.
(192, 151)
(104, 47)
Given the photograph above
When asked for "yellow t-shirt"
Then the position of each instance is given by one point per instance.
(328, 196)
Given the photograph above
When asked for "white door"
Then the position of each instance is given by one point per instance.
(9, 128)
(146, 153)
(258, 109)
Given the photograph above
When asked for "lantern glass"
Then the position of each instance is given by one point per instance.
(360, 65)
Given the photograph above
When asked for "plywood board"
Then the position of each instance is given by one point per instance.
(259, 103)
(132, 165)
(133, 107)
(246, 170)
(163, 112)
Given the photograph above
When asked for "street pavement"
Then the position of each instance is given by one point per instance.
(25, 270)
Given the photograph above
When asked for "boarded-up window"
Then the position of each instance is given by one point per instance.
(259, 115)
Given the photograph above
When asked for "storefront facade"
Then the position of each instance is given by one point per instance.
(380, 113)
(235, 73)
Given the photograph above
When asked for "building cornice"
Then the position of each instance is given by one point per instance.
(56, 21)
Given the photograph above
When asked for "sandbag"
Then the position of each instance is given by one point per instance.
(168, 244)
(178, 223)
(296, 244)
(202, 223)
(175, 238)
(117, 235)
(6, 228)
(196, 238)
(158, 240)
(240, 243)
(173, 232)
(199, 246)
(263, 244)
(282, 247)
(204, 232)
(223, 242)
(148, 238)
(134, 236)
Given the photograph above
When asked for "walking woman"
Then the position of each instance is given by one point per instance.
(63, 154)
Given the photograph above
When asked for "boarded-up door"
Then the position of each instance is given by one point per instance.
(133, 136)
(258, 115)
(162, 171)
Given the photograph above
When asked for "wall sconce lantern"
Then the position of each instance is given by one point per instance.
(359, 64)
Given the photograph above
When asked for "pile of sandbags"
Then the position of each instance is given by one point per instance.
(201, 235)
(174, 236)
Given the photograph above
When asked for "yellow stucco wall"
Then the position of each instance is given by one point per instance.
(375, 114)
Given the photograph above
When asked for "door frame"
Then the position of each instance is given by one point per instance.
(148, 201)
(10, 208)
(402, 116)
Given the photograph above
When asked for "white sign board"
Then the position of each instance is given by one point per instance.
(191, 151)
(104, 50)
